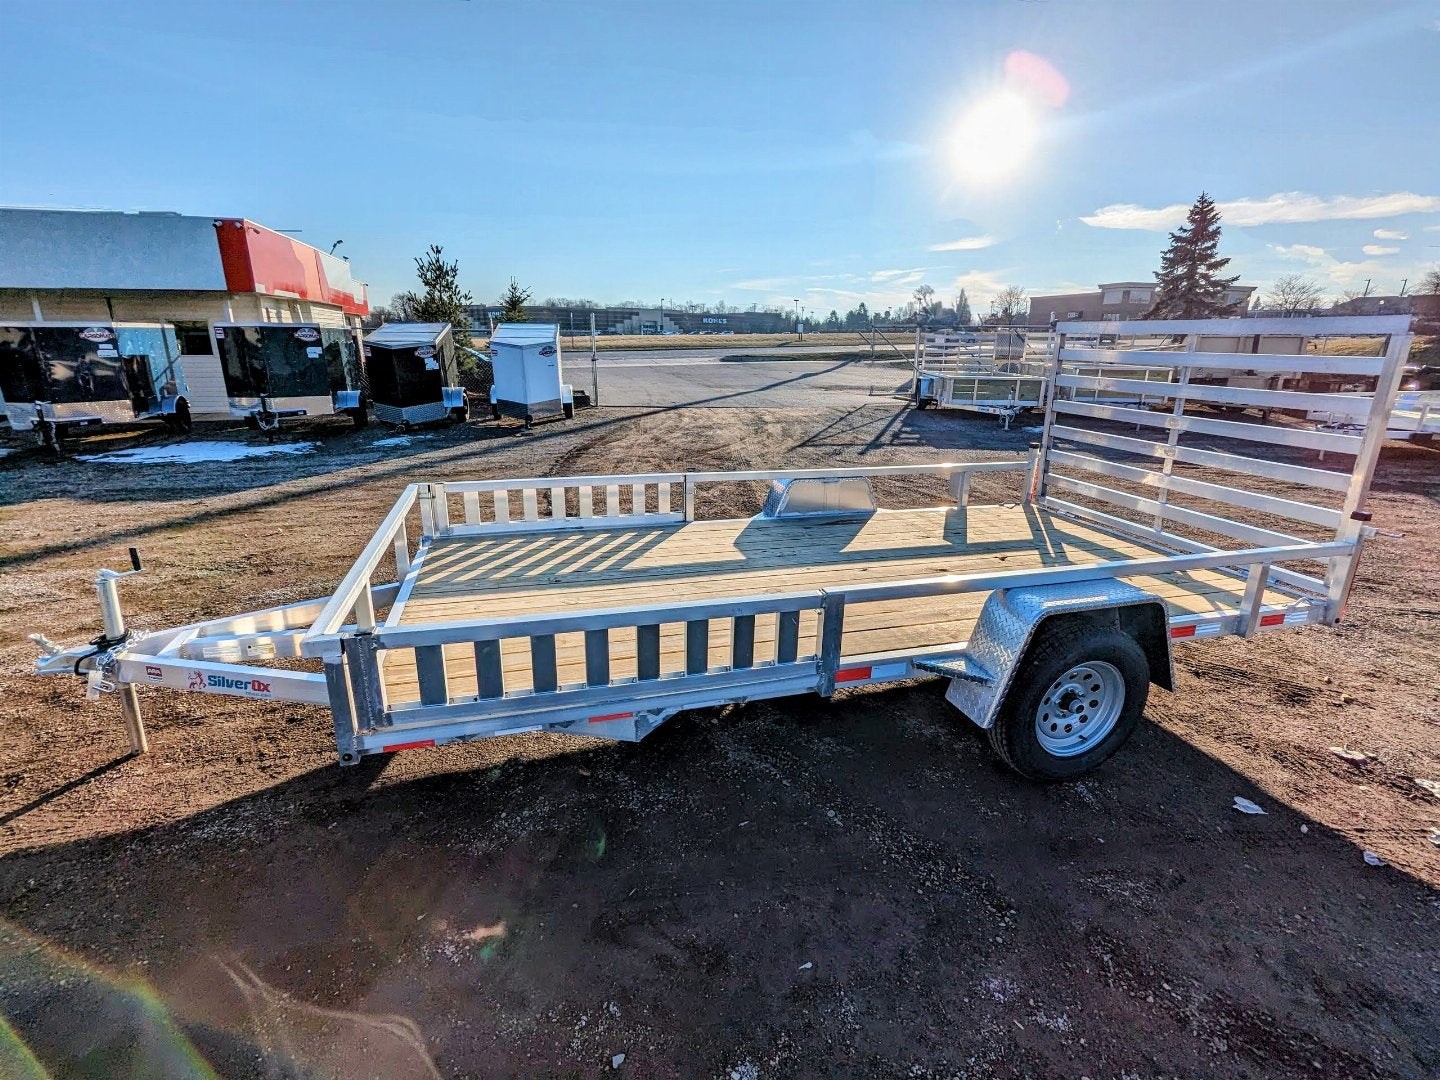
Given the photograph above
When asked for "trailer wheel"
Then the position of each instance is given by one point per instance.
(1076, 699)
(360, 415)
(459, 414)
(494, 411)
(181, 420)
(569, 410)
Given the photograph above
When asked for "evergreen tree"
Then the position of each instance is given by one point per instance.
(963, 315)
(1188, 285)
(442, 300)
(513, 301)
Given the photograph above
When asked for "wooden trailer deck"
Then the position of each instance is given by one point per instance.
(588, 569)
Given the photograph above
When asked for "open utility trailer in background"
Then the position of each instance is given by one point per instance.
(603, 605)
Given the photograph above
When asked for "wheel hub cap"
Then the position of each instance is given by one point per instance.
(1080, 708)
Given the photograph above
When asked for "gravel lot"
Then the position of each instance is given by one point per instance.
(781, 889)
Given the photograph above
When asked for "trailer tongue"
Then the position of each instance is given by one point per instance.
(603, 605)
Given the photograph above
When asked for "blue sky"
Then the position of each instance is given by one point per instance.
(749, 152)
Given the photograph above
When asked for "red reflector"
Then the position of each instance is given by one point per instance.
(406, 746)
(853, 674)
(611, 716)
(1182, 631)
(1272, 620)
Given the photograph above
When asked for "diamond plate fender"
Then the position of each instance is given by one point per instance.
(1010, 618)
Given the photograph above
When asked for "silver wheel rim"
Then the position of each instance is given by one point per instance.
(1080, 708)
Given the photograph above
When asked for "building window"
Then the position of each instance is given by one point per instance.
(1113, 296)
(194, 338)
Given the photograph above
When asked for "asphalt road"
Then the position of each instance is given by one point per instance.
(657, 381)
(574, 353)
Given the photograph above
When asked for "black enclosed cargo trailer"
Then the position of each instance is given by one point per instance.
(277, 370)
(414, 374)
(60, 375)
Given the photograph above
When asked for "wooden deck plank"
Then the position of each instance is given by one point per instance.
(501, 575)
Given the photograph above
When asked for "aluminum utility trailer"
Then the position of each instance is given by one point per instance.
(979, 390)
(603, 605)
(1416, 416)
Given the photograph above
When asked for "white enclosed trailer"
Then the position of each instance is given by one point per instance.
(479, 607)
(528, 381)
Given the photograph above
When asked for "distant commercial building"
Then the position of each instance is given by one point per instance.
(576, 320)
(1114, 300)
(1421, 305)
(193, 272)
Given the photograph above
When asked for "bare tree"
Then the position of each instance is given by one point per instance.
(1429, 284)
(1010, 306)
(1294, 294)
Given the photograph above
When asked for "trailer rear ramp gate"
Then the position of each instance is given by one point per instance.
(603, 605)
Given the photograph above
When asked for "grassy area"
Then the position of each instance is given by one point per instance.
(1425, 349)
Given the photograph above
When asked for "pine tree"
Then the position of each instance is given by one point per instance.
(513, 301)
(963, 315)
(442, 300)
(1188, 285)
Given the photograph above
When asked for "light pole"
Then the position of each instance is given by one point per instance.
(797, 316)
(660, 326)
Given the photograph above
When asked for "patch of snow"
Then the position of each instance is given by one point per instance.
(194, 453)
(1245, 806)
(5, 450)
(394, 440)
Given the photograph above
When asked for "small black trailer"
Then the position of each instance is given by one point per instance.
(59, 375)
(278, 370)
(414, 373)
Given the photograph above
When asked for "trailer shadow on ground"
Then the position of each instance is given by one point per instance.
(789, 887)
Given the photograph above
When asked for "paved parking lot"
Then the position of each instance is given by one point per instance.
(725, 383)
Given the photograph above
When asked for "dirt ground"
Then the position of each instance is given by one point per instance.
(785, 889)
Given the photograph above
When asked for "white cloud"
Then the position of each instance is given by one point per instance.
(1302, 251)
(980, 286)
(1432, 228)
(1390, 234)
(1286, 207)
(1340, 274)
(1377, 249)
(892, 275)
(969, 243)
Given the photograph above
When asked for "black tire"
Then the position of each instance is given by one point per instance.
(459, 414)
(360, 415)
(494, 412)
(1059, 648)
(252, 421)
(569, 409)
(182, 421)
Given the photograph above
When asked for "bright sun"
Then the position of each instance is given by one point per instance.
(995, 137)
